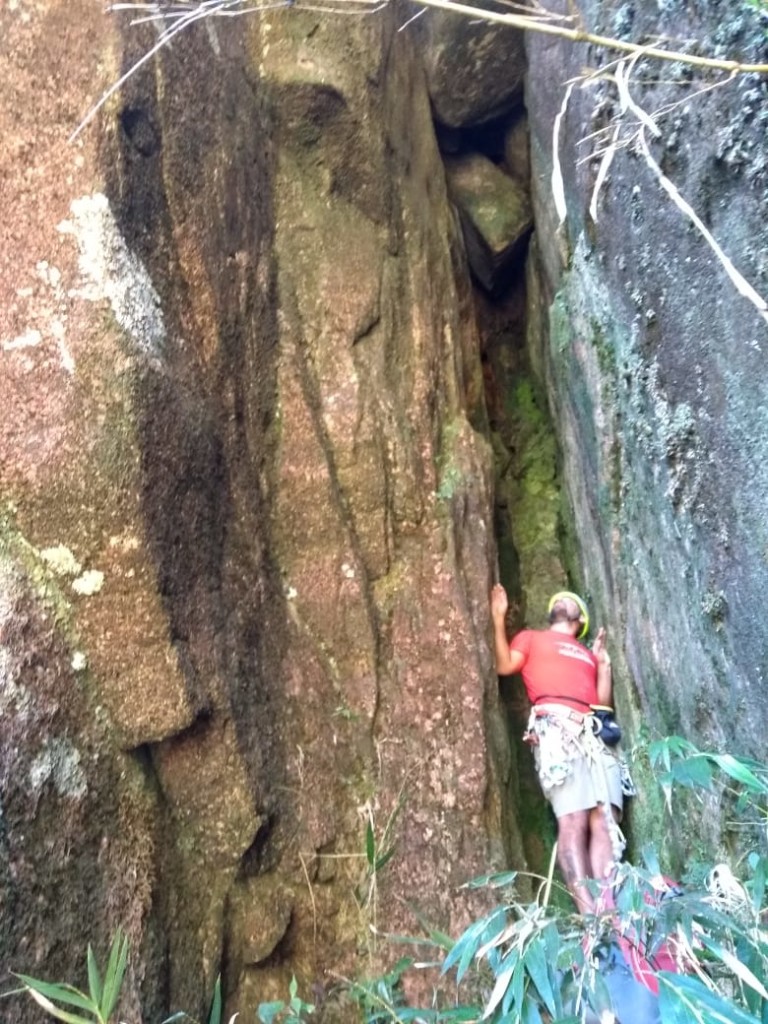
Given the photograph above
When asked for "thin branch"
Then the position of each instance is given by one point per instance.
(742, 285)
(413, 17)
(627, 103)
(312, 898)
(667, 108)
(535, 19)
(579, 36)
(164, 39)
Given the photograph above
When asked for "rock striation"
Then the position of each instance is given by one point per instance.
(264, 447)
(249, 713)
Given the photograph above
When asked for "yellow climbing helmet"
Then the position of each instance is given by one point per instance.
(580, 604)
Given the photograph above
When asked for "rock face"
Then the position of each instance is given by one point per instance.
(654, 367)
(248, 701)
(249, 506)
(474, 68)
(496, 215)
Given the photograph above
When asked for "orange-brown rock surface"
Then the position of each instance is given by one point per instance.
(246, 532)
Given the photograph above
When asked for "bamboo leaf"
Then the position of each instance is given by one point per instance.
(602, 172)
(440, 939)
(600, 997)
(268, 1011)
(663, 750)
(515, 931)
(678, 991)
(215, 1014)
(742, 972)
(758, 882)
(499, 988)
(56, 1011)
(467, 944)
(384, 859)
(515, 998)
(530, 1013)
(694, 772)
(627, 103)
(536, 965)
(60, 993)
(94, 978)
(558, 187)
(508, 1018)
(370, 844)
(739, 771)
(651, 860)
(114, 974)
(498, 880)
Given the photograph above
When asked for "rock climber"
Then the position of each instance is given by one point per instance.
(583, 779)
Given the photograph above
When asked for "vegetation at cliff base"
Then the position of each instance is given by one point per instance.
(658, 950)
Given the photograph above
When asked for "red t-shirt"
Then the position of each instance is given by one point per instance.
(557, 667)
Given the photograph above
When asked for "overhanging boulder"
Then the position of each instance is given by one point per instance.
(495, 213)
(474, 69)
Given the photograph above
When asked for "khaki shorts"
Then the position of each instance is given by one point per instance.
(576, 771)
(583, 788)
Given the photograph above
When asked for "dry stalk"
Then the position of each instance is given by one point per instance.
(636, 133)
(531, 24)
(533, 18)
(312, 899)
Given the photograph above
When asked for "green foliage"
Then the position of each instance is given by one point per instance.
(531, 962)
(381, 999)
(379, 851)
(62, 1001)
(295, 1011)
(214, 1017)
(527, 961)
(678, 763)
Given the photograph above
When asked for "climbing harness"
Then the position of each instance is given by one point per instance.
(561, 735)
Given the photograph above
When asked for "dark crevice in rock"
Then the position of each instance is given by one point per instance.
(487, 172)
(490, 138)
(143, 134)
(488, 176)
(261, 856)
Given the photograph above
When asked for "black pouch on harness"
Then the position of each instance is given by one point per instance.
(605, 726)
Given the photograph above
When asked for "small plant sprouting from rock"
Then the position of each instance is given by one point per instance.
(98, 1006)
(295, 1011)
(66, 1003)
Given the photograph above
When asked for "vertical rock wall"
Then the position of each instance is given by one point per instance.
(655, 368)
(380, 517)
(248, 710)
